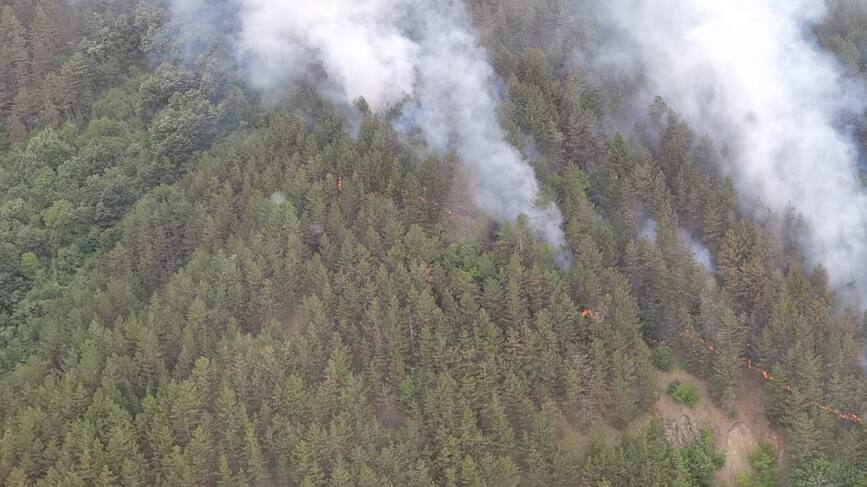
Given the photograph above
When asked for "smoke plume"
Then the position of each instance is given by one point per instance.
(699, 252)
(748, 73)
(649, 230)
(388, 51)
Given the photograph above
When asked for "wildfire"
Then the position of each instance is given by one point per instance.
(587, 313)
(767, 377)
(340, 184)
(452, 213)
(840, 414)
(764, 373)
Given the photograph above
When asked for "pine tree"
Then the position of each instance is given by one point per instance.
(713, 228)
(17, 478)
(730, 339)
(77, 75)
(226, 476)
(42, 38)
(804, 436)
(202, 455)
(13, 59)
(149, 361)
(306, 465)
(742, 264)
(123, 455)
(340, 474)
(514, 306)
(252, 463)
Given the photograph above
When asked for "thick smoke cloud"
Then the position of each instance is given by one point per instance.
(359, 46)
(748, 73)
(388, 51)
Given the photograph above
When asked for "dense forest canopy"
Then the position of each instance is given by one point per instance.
(207, 281)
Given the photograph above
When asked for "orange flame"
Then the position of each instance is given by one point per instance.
(340, 184)
(840, 414)
(587, 313)
(451, 213)
(707, 345)
(454, 214)
(764, 373)
(766, 376)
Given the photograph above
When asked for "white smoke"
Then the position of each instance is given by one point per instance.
(747, 72)
(700, 253)
(360, 46)
(649, 230)
(387, 51)
(456, 106)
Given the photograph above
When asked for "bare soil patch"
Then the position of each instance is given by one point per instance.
(737, 434)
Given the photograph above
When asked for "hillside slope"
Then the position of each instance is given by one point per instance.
(203, 283)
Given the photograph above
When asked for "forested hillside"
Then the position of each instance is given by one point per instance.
(202, 284)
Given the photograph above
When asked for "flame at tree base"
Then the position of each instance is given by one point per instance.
(767, 377)
(452, 213)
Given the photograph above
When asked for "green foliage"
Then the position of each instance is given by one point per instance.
(823, 471)
(764, 469)
(662, 358)
(310, 338)
(166, 319)
(702, 460)
(686, 394)
(67, 186)
(726, 367)
(643, 459)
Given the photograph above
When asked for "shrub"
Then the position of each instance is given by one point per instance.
(662, 358)
(702, 460)
(686, 394)
(765, 472)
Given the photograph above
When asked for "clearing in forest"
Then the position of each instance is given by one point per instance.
(737, 435)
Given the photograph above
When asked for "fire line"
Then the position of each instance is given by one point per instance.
(767, 377)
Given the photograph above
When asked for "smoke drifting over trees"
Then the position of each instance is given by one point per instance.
(218, 266)
(422, 54)
(749, 73)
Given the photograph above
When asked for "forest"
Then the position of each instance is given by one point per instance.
(202, 283)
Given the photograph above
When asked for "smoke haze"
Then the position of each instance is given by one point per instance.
(748, 73)
(388, 51)
(699, 252)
